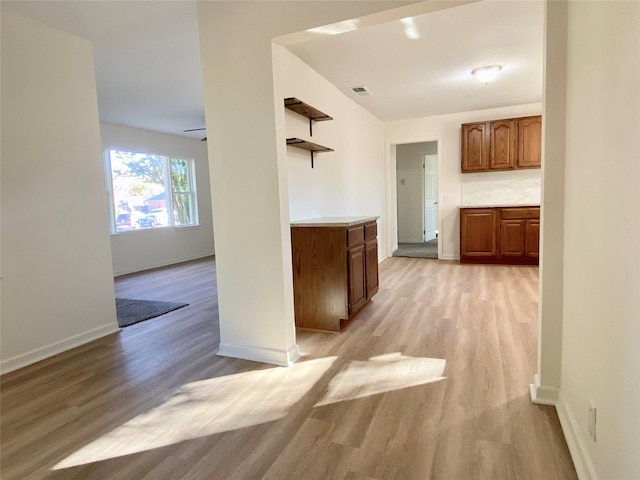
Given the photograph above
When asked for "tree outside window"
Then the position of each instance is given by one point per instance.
(151, 191)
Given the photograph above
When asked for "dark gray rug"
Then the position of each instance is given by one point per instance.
(418, 250)
(133, 311)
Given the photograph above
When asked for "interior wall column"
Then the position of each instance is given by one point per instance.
(247, 159)
(546, 383)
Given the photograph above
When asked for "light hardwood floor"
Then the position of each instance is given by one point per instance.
(430, 382)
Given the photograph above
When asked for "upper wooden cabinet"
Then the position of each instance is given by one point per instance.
(475, 147)
(504, 144)
(501, 144)
(529, 142)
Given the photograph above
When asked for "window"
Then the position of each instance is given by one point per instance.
(150, 191)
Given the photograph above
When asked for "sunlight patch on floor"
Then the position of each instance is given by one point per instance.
(381, 374)
(205, 408)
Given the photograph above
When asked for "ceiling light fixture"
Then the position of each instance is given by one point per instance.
(486, 74)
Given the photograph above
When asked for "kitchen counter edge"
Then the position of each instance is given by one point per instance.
(332, 221)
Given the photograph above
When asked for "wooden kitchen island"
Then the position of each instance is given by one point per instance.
(335, 270)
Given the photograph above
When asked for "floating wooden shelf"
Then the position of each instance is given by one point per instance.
(305, 110)
(314, 115)
(305, 145)
(310, 146)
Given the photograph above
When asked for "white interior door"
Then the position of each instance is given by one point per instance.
(430, 197)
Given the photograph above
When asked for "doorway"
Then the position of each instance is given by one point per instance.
(417, 199)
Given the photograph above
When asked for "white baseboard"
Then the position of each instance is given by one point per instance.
(542, 394)
(577, 449)
(284, 358)
(165, 263)
(24, 359)
(449, 257)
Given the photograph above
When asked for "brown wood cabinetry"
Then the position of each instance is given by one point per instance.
(335, 271)
(504, 144)
(532, 239)
(371, 257)
(475, 147)
(501, 144)
(480, 232)
(502, 235)
(529, 142)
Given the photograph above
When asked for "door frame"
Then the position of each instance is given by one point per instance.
(391, 194)
(424, 195)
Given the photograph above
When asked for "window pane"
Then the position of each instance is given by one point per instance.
(183, 209)
(183, 195)
(139, 197)
(180, 175)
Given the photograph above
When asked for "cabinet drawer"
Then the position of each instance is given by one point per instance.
(370, 231)
(355, 235)
(519, 213)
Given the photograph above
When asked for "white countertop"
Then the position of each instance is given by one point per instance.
(332, 221)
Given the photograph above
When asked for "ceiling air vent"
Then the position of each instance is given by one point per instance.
(362, 91)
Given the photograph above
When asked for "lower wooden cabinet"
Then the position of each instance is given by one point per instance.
(357, 275)
(480, 232)
(532, 238)
(335, 271)
(508, 235)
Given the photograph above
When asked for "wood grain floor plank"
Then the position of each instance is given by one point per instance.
(430, 381)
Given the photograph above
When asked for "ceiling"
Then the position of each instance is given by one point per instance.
(422, 66)
(147, 58)
(148, 62)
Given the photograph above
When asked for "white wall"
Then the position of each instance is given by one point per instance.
(410, 187)
(57, 280)
(446, 130)
(348, 181)
(546, 382)
(249, 167)
(601, 327)
(142, 249)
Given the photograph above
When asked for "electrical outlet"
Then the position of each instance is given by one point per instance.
(486, 194)
(446, 198)
(592, 421)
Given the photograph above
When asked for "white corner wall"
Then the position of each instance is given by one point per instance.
(57, 280)
(446, 130)
(143, 249)
(348, 181)
(248, 166)
(601, 324)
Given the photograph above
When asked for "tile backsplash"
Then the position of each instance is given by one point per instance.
(519, 187)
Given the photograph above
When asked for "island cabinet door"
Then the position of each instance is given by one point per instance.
(371, 255)
(357, 279)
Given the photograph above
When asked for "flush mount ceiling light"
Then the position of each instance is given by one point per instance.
(486, 74)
